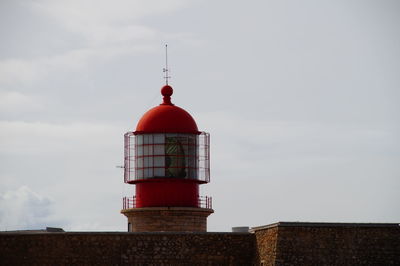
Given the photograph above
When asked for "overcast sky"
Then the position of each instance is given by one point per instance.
(301, 99)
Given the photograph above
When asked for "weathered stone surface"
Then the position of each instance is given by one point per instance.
(127, 249)
(266, 245)
(168, 219)
(328, 244)
(277, 244)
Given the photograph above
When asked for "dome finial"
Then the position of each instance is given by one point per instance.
(167, 91)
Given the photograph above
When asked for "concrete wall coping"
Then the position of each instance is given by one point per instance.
(98, 233)
(324, 224)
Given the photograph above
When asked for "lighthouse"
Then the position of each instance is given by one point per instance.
(166, 159)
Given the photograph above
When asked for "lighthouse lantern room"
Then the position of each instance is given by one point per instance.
(167, 158)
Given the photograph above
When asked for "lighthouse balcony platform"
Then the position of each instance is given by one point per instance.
(168, 217)
(203, 202)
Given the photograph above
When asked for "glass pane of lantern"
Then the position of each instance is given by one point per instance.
(159, 161)
(150, 172)
(191, 173)
(182, 139)
(158, 149)
(173, 146)
(158, 138)
(150, 150)
(139, 163)
(192, 146)
(170, 135)
(139, 150)
(191, 162)
(146, 162)
(175, 158)
(145, 149)
(159, 172)
(146, 172)
(192, 156)
(139, 139)
(145, 139)
(139, 173)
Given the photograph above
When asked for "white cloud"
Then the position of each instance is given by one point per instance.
(18, 70)
(17, 136)
(25, 209)
(75, 14)
(288, 139)
(105, 30)
(26, 71)
(105, 23)
(12, 101)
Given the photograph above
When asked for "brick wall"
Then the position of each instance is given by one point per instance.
(329, 244)
(127, 249)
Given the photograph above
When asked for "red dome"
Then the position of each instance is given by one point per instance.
(167, 118)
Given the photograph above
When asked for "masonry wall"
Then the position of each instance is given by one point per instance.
(277, 244)
(329, 244)
(266, 245)
(127, 249)
(175, 219)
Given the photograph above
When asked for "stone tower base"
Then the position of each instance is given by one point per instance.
(156, 219)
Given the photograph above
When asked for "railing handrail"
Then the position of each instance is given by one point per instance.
(204, 202)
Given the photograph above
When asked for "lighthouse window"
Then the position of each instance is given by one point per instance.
(166, 155)
(159, 172)
(140, 150)
(139, 173)
(148, 172)
(175, 157)
(191, 158)
(146, 162)
(139, 162)
(158, 138)
(158, 149)
(159, 161)
(147, 150)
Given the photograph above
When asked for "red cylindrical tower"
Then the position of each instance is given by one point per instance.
(167, 158)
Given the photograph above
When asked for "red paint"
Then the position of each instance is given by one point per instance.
(167, 91)
(167, 192)
(167, 118)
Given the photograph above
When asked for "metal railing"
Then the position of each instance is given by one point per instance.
(204, 202)
(129, 202)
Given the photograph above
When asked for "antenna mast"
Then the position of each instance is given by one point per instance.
(165, 70)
